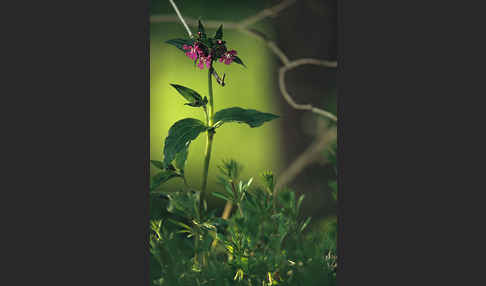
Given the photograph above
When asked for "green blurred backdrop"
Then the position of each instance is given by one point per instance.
(257, 149)
(307, 29)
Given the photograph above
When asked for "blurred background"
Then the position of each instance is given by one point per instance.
(306, 29)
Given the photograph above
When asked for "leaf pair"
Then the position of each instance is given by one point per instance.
(184, 131)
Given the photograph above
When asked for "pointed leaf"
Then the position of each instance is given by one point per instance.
(179, 43)
(157, 164)
(304, 225)
(251, 117)
(219, 33)
(201, 29)
(180, 135)
(249, 183)
(184, 231)
(190, 95)
(299, 202)
(239, 61)
(180, 224)
(161, 178)
(221, 196)
(181, 157)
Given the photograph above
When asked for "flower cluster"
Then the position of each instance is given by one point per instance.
(212, 50)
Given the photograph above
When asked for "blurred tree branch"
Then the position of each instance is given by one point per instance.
(181, 18)
(310, 155)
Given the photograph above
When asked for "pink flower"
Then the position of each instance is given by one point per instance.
(192, 51)
(204, 60)
(228, 57)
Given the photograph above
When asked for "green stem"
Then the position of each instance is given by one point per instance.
(211, 102)
(200, 257)
(209, 139)
(207, 157)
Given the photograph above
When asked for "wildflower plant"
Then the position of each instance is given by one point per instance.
(262, 243)
(205, 51)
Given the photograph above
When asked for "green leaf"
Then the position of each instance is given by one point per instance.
(305, 224)
(161, 178)
(269, 179)
(179, 43)
(221, 196)
(190, 95)
(180, 135)
(159, 282)
(239, 61)
(229, 190)
(180, 224)
(181, 157)
(299, 202)
(251, 117)
(219, 33)
(157, 164)
(182, 203)
(201, 29)
(230, 169)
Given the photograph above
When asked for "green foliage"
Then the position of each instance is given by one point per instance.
(333, 186)
(234, 193)
(180, 159)
(239, 61)
(251, 117)
(184, 204)
(179, 43)
(263, 243)
(269, 180)
(332, 157)
(201, 30)
(194, 99)
(180, 135)
(230, 170)
(260, 245)
(158, 164)
(219, 33)
(161, 178)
